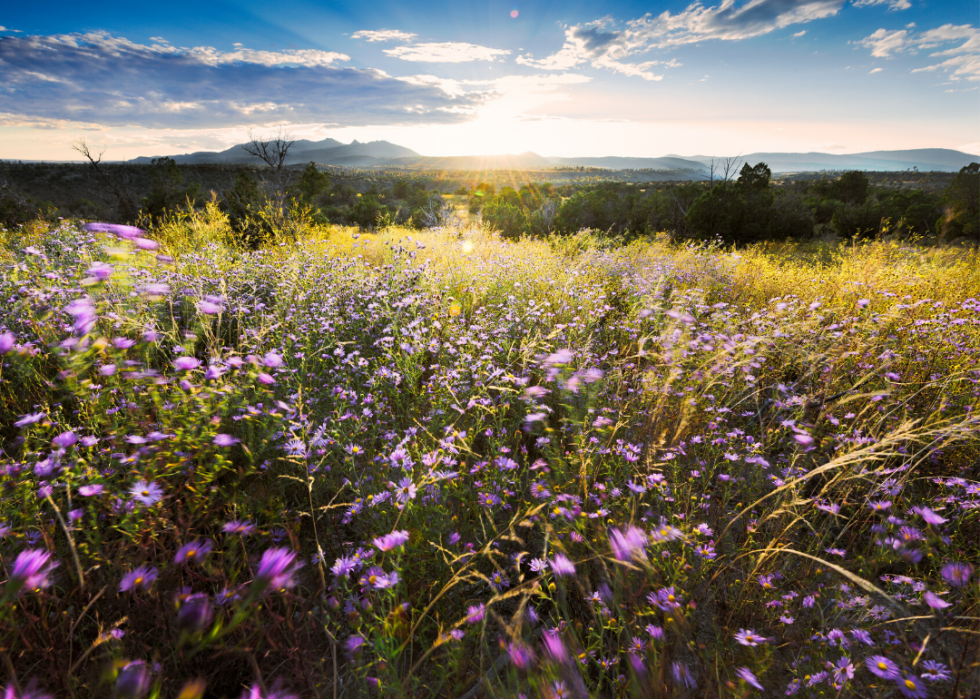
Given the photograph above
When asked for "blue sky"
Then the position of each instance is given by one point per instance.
(717, 77)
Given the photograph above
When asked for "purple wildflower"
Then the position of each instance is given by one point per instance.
(195, 613)
(628, 545)
(746, 674)
(225, 440)
(7, 342)
(133, 680)
(31, 571)
(186, 363)
(193, 551)
(146, 493)
(391, 541)
(748, 637)
(911, 686)
(957, 574)
(91, 490)
(882, 667)
(561, 565)
(141, 577)
(474, 613)
(276, 570)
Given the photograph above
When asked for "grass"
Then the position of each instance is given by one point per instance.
(439, 463)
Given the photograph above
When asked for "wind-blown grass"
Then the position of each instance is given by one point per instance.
(440, 463)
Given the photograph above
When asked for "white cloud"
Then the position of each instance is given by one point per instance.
(964, 58)
(446, 52)
(876, 70)
(799, 34)
(110, 80)
(600, 44)
(382, 35)
(892, 4)
(884, 43)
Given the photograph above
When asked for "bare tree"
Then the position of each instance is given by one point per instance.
(729, 167)
(273, 152)
(127, 205)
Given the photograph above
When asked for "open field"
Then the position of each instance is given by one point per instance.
(439, 463)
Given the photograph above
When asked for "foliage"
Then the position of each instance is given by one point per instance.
(443, 463)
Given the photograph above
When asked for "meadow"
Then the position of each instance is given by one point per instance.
(442, 463)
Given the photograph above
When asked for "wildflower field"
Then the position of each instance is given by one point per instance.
(443, 464)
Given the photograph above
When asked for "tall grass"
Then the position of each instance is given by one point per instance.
(440, 463)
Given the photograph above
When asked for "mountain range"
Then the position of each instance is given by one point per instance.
(385, 154)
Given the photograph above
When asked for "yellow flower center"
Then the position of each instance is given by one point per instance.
(882, 666)
(138, 581)
(373, 579)
(670, 598)
(910, 684)
(146, 493)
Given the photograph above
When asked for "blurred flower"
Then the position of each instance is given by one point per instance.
(882, 667)
(7, 342)
(146, 493)
(391, 541)
(474, 613)
(934, 600)
(31, 572)
(91, 490)
(935, 671)
(561, 566)
(749, 638)
(255, 692)
(141, 577)
(194, 613)
(277, 570)
(186, 363)
(193, 551)
(911, 686)
(956, 574)
(225, 440)
(118, 230)
(746, 674)
(628, 545)
(133, 680)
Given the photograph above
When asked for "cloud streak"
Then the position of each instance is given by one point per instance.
(382, 35)
(602, 45)
(446, 52)
(110, 80)
(961, 61)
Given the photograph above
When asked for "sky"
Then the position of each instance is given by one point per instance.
(568, 78)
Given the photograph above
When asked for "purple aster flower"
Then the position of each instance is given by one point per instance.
(668, 599)
(391, 541)
(554, 648)
(186, 363)
(265, 379)
(935, 671)
(195, 613)
(225, 440)
(911, 686)
(256, 692)
(31, 572)
(561, 566)
(957, 574)
(238, 527)
(7, 342)
(193, 551)
(748, 637)
(209, 307)
(146, 244)
(141, 577)
(30, 419)
(746, 674)
(682, 675)
(934, 600)
(377, 579)
(520, 655)
(929, 516)
(276, 570)
(343, 566)
(271, 360)
(65, 440)
(91, 490)
(406, 490)
(862, 636)
(882, 667)
(133, 680)
(843, 671)
(118, 230)
(474, 613)
(146, 493)
(628, 545)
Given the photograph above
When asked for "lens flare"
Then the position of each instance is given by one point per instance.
(513, 14)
